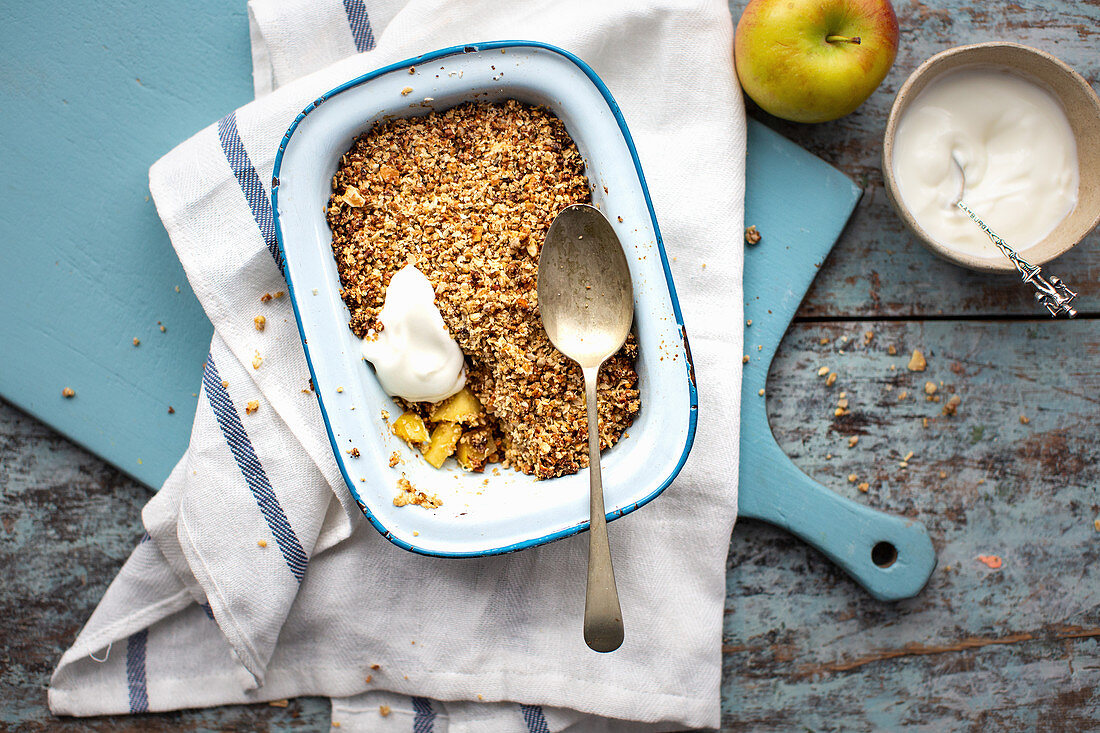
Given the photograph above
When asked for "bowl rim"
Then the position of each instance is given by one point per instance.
(693, 396)
(902, 100)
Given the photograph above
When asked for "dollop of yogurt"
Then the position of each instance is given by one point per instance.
(1014, 145)
(413, 355)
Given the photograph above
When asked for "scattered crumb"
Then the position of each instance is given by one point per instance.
(279, 703)
(257, 360)
(369, 679)
(225, 384)
(761, 393)
(265, 297)
(262, 543)
(280, 294)
(852, 478)
(745, 359)
(852, 441)
(376, 667)
(823, 341)
(68, 392)
(831, 379)
(929, 388)
(952, 405)
(406, 91)
(261, 322)
(917, 362)
(340, 389)
(902, 395)
(383, 710)
(162, 328)
(891, 350)
(385, 413)
(252, 406)
(748, 322)
(823, 371)
(395, 458)
(1096, 524)
(177, 288)
(864, 487)
(752, 235)
(924, 422)
(842, 403)
(620, 220)
(908, 456)
(828, 456)
(336, 724)
(1024, 419)
(354, 453)
(943, 474)
(137, 341)
(867, 336)
(840, 411)
(993, 562)
(407, 494)
(171, 410)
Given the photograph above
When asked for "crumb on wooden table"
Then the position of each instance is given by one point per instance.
(822, 371)
(831, 379)
(952, 405)
(864, 487)
(852, 441)
(1024, 419)
(917, 362)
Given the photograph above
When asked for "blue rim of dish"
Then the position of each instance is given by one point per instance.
(693, 401)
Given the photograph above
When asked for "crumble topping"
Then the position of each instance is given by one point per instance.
(467, 196)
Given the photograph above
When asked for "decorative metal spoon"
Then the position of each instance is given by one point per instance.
(586, 301)
(1051, 292)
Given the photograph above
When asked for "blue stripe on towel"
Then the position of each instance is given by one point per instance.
(135, 672)
(424, 720)
(249, 181)
(536, 721)
(361, 31)
(253, 472)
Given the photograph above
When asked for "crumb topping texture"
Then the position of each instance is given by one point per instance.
(467, 196)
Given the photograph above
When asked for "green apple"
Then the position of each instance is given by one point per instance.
(814, 60)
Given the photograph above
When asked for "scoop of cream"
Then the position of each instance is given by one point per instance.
(413, 355)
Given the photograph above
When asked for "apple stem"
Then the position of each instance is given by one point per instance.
(842, 39)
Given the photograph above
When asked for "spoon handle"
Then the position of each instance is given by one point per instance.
(603, 617)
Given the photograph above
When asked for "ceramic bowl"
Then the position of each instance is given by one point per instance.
(503, 511)
(1082, 108)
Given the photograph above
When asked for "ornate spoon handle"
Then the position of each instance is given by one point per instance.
(1051, 292)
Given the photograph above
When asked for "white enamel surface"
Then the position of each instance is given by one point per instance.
(481, 513)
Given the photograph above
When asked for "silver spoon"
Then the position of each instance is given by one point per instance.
(586, 301)
(1052, 293)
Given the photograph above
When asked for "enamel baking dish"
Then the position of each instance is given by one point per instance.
(482, 513)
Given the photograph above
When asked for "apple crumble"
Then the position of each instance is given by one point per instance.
(467, 196)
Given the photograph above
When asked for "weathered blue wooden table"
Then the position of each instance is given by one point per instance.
(1014, 648)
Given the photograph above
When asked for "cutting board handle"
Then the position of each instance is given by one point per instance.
(890, 556)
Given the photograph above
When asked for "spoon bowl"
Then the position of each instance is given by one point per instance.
(586, 301)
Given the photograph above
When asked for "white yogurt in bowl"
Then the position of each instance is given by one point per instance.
(1015, 146)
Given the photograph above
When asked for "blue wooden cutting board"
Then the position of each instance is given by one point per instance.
(91, 95)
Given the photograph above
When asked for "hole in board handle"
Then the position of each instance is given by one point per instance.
(884, 554)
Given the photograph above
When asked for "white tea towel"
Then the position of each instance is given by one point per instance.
(259, 578)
